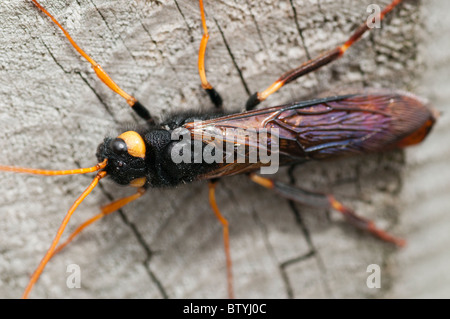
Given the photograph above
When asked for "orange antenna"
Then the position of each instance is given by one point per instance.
(35, 171)
(51, 250)
(94, 183)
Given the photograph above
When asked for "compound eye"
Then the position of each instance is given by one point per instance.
(134, 143)
(119, 146)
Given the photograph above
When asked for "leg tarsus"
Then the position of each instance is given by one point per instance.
(105, 210)
(226, 236)
(101, 74)
(363, 223)
(316, 63)
(320, 200)
(215, 97)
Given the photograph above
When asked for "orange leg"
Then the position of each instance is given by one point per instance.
(214, 96)
(72, 209)
(102, 75)
(319, 200)
(105, 210)
(54, 248)
(316, 63)
(226, 237)
(55, 241)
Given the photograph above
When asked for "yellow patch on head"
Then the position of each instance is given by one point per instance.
(135, 143)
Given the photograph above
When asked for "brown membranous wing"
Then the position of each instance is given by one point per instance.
(372, 120)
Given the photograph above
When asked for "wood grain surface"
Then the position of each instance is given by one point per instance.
(54, 112)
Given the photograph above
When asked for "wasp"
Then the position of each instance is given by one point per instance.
(357, 122)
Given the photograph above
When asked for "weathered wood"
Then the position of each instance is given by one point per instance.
(54, 113)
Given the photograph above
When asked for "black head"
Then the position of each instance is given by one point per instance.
(126, 158)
